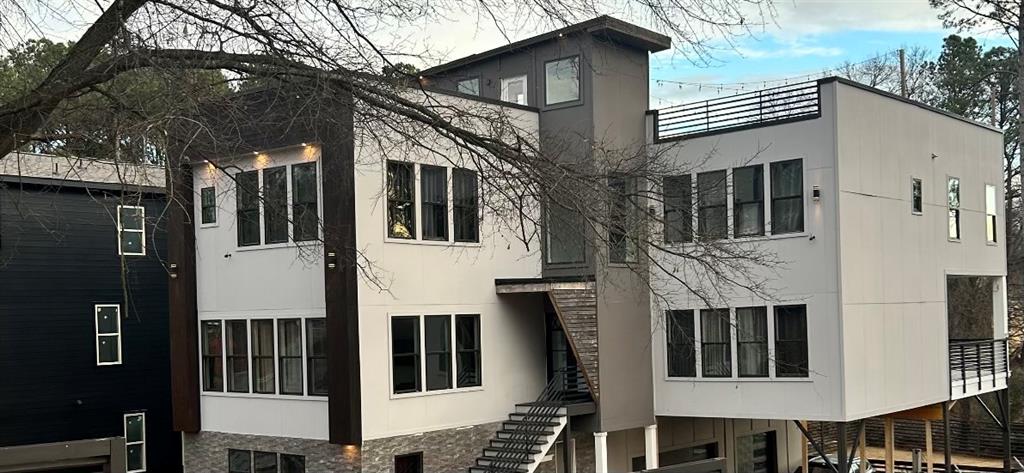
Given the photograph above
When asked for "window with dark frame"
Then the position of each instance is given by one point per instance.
(756, 453)
(712, 205)
(678, 195)
(293, 463)
(237, 355)
(289, 340)
(715, 343)
(247, 203)
(437, 351)
(953, 194)
(405, 354)
(748, 201)
(787, 196)
(262, 356)
(562, 80)
(622, 218)
(239, 461)
(470, 86)
(213, 348)
(752, 342)
(401, 204)
(916, 198)
(434, 202)
(264, 462)
(465, 205)
(682, 355)
(409, 463)
(275, 204)
(305, 208)
(563, 232)
(791, 341)
(467, 347)
(990, 213)
(316, 356)
(208, 205)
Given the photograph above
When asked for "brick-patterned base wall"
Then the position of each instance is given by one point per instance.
(208, 452)
(450, 450)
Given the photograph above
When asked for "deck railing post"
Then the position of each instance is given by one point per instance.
(977, 349)
(963, 369)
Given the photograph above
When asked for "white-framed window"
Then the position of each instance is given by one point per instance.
(990, 212)
(439, 352)
(513, 89)
(108, 334)
(135, 442)
(131, 230)
(431, 203)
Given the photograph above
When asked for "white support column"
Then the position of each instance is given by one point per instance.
(651, 446)
(601, 452)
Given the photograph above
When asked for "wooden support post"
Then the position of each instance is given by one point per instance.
(862, 445)
(947, 450)
(890, 445)
(804, 453)
(566, 443)
(928, 445)
(843, 463)
(1007, 426)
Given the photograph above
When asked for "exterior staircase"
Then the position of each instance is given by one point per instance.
(525, 438)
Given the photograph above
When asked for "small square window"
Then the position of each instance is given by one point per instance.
(410, 463)
(264, 462)
(469, 86)
(239, 461)
(562, 80)
(293, 463)
(513, 89)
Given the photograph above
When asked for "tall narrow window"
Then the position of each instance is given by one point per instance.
(405, 354)
(247, 203)
(239, 461)
(401, 206)
(562, 80)
(467, 345)
(513, 89)
(262, 356)
(275, 204)
(108, 334)
(622, 220)
(678, 195)
(434, 190)
(990, 213)
(752, 341)
(682, 360)
(712, 213)
(791, 341)
(264, 462)
(293, 463)
(465, 205)
(305, 211)
(564, 234)
(410, 463)
(316, 356)
(469, 86)
(289, 339)
(237, 356)
(438, 351)
(213, 352)
(787, 197)
(135, 442)
(953, 193)
(748, 201)
(916, 197)
(131, 230)
(715, 343)
(208, 205)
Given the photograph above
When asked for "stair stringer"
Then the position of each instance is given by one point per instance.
(577, 313)
(551, 439)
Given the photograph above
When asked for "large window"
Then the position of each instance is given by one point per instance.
(621, 244)
(678, 195)
(305, 211)
(401, 204)
(467, 348)
(752, 341)
(316, 356)
(247, 203)
(916, 197)
(469, 86)
(513, 89)
(289, 341)
(131, 230)
(262, 356)
(787, 197)
(237, 355)
(791, 341)
(682, 361)
(562, 80)
(953, 193)
(434, 202)
(248, 461)
(208, 205)
(213, 361)
(564, 235)
(756, 453)
(423, 346)
(135, 442)
(712, 211)
(275, 204)
(108, 334)
(748, 201)
(990, 213)
(465, 211)
(716, 344)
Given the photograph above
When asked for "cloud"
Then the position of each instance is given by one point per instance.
(789, 51)
(801, 18)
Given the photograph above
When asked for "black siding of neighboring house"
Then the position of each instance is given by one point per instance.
(58, 257)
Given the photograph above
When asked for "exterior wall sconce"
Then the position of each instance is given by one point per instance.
(816, 193)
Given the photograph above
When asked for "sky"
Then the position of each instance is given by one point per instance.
(805, 38)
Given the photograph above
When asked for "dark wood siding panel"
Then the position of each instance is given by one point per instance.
(184, 324)
(577, 311)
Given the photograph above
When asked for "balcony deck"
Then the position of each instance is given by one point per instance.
(977, 367)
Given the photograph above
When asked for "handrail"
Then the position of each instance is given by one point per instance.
(972, 359)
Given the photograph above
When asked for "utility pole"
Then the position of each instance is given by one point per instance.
(903, 72)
